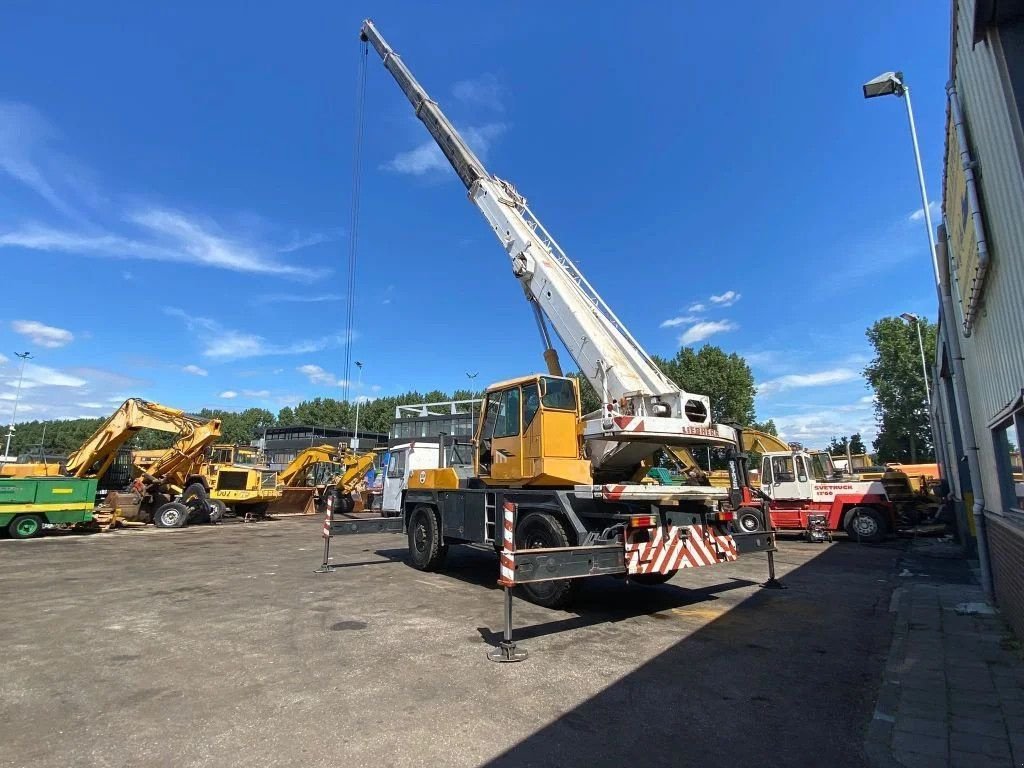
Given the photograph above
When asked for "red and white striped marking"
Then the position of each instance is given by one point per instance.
(507, 575)
(629, 423)
(329, 516)
(677, 547)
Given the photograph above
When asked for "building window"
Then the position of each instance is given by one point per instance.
(1008, 462)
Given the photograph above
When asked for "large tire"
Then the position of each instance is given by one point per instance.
(651, 579)
(198, 502)
(171, 515)
(25, 527)
(217, 511)
(426, 546)
(343, 502)
(258, 509)
(541, 530)
(865, 524)
(748, 520)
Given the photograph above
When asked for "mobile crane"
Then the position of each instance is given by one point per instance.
(559, 487)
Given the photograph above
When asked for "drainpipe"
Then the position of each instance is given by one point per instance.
(963, 404)
(957, 116)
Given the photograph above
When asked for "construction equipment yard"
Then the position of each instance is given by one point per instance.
(237, 653)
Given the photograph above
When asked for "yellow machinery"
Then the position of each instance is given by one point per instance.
(237, 478)
(32, 469)
(302, 492)
(166, 491)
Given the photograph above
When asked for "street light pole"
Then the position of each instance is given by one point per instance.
(25, 357)
(359, 384)
(916, 321)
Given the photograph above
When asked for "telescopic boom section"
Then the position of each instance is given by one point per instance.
(620, 370)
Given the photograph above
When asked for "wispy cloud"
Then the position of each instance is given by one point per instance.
(149, 233)
(43, 376)
(427, 157)
(484, 91)
(43, 335)
(256, 392)
(726, 299)
(195, 370)
(300, 298)
(675, 322)
(228, 394)
(933, 208)
(802, 380)
(817, 428)
(698, 307)
(706, 330)
(221, 343)
(319, 376)
(297, 243)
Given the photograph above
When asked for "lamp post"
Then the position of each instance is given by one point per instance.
(916, 322)
(359, 384)
(892, 84)
(25, 357)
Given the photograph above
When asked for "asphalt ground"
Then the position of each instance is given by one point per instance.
(220, 646)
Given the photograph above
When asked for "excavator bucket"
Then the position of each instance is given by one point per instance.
(295, 501)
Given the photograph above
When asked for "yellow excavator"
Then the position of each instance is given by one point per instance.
(167, 491)
(304, 485)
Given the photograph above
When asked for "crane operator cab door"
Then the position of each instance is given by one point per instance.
(500, 443)
(529, 434)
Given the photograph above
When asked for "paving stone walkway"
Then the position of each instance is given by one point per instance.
(953, 687)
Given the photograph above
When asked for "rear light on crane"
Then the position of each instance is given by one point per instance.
(643, 521)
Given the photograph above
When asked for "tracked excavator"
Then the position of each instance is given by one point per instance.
(321, 473)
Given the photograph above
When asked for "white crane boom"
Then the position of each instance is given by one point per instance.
(642, 405)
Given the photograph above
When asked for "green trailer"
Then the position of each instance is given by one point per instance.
(26, 503)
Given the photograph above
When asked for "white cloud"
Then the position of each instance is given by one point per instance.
(484, 91)
(933, 208)
(696, 308)
(706, 330)
(90, 405)
(42, 376)
(195, 370)
(229, 394)
(298, 243)
(428, 158)
(220, 343)
(2, 359)
(867, 400)
(43, 335)
(726, 299)
(801, 380)
(299, 298)
(256, 392)
(319, 376)
(674, 322)
(816, 429)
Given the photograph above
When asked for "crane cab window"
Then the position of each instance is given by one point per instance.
(491, 416)
(766, 470)
(507, 422)
(531, 404)
(821, 467)
(782, 469)
(396, 465)
(801, 469)
(558, 394)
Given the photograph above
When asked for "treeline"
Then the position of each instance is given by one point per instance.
(725, 378)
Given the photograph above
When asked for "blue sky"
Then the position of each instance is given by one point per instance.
(175, 185)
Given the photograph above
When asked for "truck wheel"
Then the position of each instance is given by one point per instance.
(343, 502)
(748, 520)
(426, 549)
(651, 579)
(865, 524)
(171, 515)
(26, 527)
(540, 530)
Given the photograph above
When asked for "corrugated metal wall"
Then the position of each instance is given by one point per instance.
(994, 354)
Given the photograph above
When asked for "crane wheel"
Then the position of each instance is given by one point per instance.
(541, 530)
(865, 524)
(748, 520)
(426, 546)
(171, 515)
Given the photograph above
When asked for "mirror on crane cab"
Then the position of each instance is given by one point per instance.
(528, 434)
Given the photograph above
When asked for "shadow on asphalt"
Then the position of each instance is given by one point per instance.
(785, 678)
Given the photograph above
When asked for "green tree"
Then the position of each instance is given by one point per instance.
(725, 378)
(768, 427)
(895, 375)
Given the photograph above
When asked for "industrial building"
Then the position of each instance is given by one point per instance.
(978, 392)
(426, 421)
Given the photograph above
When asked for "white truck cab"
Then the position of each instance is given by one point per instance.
(412, 457)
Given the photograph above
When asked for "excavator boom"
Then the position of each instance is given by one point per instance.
(294, 474)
